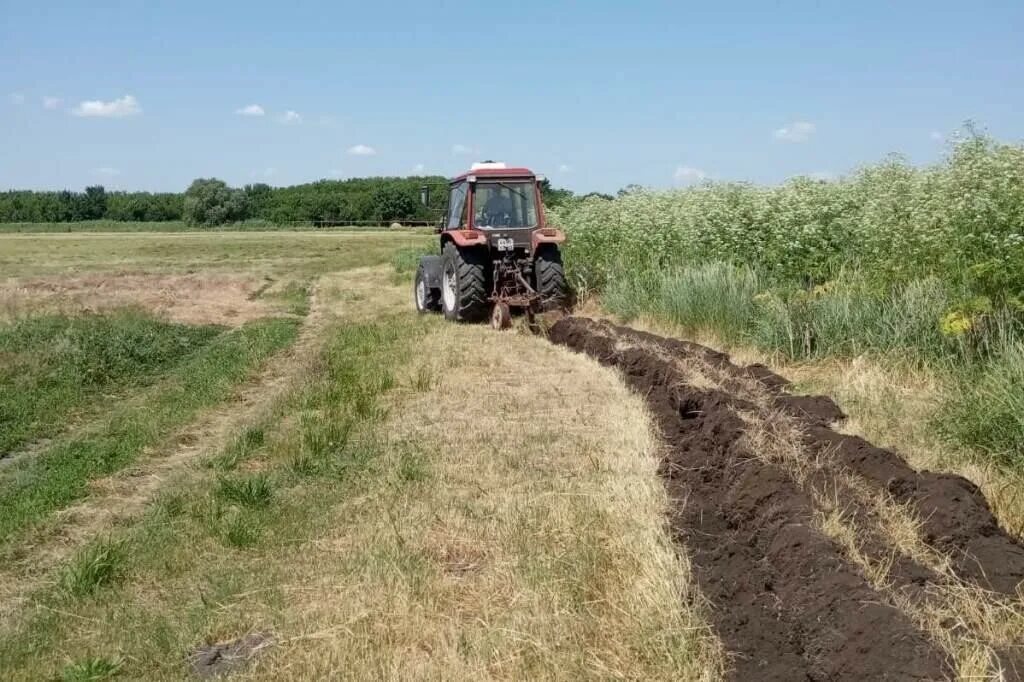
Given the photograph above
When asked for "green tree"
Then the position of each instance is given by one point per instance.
(554, 197)
(209, 201)
(94, 203)
(391, 202)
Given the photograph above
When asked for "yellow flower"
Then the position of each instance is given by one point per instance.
(956, 323)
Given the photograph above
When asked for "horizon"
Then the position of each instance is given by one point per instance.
(148, 99)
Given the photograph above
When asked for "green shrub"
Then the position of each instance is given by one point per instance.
(961, 220)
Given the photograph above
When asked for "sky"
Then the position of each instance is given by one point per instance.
(596, 95)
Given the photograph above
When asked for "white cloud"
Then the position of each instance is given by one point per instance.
(17, 98)
(689, 175)
(798, 131)
(362, 150)
(936, 135)
(291, 117)
(336, 172)
(418, 168)
(106, 172)
(461, 149)
(251, 110)
(565, 168)
(118, 108)
(51, 103)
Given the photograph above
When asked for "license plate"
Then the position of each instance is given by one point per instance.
(505, 244)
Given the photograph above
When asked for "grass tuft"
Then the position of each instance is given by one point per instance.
(97, 565)
(92, 669)
(413, 467)
(242, 530)
(248, 442)
(254, 491)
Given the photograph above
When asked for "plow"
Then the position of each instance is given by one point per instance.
(499, 257)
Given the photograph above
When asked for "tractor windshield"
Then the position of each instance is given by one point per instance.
(504, 204)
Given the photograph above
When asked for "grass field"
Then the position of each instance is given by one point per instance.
(90, 226)
(244, 453)
(515, 543)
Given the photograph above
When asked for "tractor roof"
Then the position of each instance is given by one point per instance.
(494, 170)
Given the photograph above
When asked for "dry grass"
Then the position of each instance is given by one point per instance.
(192, 299)
(537, 529)
(280, 254)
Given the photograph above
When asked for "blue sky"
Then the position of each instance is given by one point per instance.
(597, 95)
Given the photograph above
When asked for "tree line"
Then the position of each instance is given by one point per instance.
(209, 202)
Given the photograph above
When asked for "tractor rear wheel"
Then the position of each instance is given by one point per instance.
(463, 283)
(428, 300)
(550, 278)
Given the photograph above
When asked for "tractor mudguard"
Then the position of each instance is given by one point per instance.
(431, 266)
(546, 235)
(467, 237)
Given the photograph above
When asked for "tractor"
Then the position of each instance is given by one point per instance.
(497, 253)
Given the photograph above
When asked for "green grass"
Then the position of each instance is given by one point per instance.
(221, 541)
(295, 297)
(405, 260)
(54, 366)
(984, 408)
(711, 296)
(36, 486)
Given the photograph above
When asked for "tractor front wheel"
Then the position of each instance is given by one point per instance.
(463, 283)
(549, 277)
(428, 300)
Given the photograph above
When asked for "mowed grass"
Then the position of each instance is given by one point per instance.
(407, 510)
(53, 368)
(294, 254)
(166, 226)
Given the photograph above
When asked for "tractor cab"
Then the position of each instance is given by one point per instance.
(497, 252)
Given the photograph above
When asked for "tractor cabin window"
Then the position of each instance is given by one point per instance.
(456, 206)
(504, 204)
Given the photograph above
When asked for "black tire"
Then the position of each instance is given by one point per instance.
(428, 300)
(466, 270)
(549, 278)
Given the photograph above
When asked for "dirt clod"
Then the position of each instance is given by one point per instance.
(213, 660)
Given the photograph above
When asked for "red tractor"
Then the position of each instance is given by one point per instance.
(497, 252)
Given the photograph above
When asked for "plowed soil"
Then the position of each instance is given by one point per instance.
(786, 599)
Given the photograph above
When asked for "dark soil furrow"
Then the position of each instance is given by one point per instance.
(785, 601)
(956, 518)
